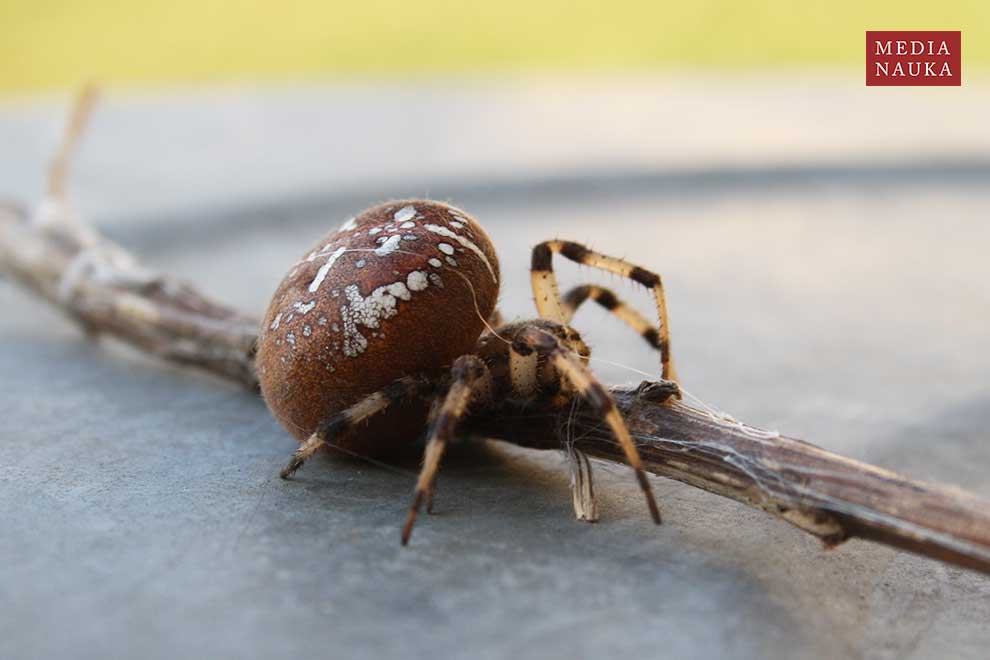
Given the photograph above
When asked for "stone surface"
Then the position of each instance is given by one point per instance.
(827, 276)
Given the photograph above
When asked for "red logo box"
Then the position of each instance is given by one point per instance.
(913, 57)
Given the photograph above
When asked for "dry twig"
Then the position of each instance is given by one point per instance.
(832, 497)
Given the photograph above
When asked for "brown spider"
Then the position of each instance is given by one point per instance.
(391, 309)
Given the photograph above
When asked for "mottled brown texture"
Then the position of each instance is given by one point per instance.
(315, 357)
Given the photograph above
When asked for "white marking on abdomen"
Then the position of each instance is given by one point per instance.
(304, 308)
(405, 213)
(389, 246)
(372, 310)
(321, 274)
(416, 281)
(443, 231)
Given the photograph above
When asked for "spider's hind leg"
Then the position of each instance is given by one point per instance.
(373, 404)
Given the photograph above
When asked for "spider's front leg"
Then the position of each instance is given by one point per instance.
(470, 379)
(550, 305)
(607, 299)
(569, 366)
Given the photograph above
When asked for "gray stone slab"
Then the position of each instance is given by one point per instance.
(142, 514)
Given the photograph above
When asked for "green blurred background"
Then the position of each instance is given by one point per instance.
(48, 44)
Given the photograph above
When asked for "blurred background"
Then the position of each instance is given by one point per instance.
(823, 246)
(55, 44)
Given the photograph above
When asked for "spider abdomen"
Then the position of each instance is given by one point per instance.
(401, 289)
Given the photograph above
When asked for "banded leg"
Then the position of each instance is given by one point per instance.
(371, 405)
(434, 413)
(469, 377)
(574, 298)
(569, 365)
(550, 305)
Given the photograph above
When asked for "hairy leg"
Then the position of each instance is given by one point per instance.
(469, 376)
(569, 365)
(550, 305)
(373, 404)
(574, 298)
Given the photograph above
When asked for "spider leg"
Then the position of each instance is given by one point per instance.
(574, 298)
(569, 365)
(469, 377)
(550, 305)
(582, 486)
(435, 408)
(371, 405)
(483, 391)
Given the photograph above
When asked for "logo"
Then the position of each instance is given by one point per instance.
(926, 58)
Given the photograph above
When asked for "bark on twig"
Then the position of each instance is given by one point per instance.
(55, 255)
(832, 497)
(108, 292)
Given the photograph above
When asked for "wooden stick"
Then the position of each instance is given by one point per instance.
(108, 292)
(834, 498)
(830, 496)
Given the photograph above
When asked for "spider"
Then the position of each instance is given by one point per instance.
(398, 307)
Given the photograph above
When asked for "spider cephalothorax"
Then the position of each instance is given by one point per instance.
(391, 309)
